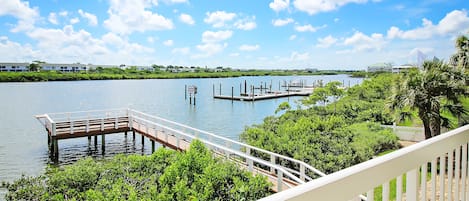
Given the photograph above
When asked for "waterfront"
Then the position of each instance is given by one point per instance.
(23, 148)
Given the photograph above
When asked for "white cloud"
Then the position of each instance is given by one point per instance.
(150, 39)
(127, 16)
(282, 22)
(185, 18)
(279, 5)
(210, 49)
(362, 42)
(15, 52)
(234, 54)
(296, 56)
(53, 18)
(181, 51)
(74, 20)
(249, 48)
(218, 18)
(92, 19)
(246, 23)
(308, 28)
(292, 37)
(454, 23)
(168, 43)
(63, 13)
(20, 10)
(213, 37)
(326, 41)
(313, 7)
(176, 1)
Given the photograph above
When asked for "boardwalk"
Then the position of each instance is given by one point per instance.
(267, 95)
(176, 136)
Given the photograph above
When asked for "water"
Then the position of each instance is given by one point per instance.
(23, 144)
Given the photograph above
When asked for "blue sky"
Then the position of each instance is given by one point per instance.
(264, 34)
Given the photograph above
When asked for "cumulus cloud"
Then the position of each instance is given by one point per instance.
(187, 19)
(313, 7)
(20, 10)
(246, 24)
(53, 18)
(181, 51)
(279, 5)
(249, 48)
(15, 52)
(292, 37)
(454, 23)
(308, 28)
(361, 42)
(217, 36)
(218, 18)
(326, 41)
(168, 43)
(127, 16)
(74, 20)
(210, 49)
(92, 19)
(296, 56)
(282, 22)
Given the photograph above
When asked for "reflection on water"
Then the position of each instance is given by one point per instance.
(23, 144)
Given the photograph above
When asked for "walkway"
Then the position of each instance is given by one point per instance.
(176, 136)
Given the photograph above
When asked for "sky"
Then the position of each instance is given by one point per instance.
(245, 34)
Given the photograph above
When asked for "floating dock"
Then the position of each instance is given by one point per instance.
(265, 96)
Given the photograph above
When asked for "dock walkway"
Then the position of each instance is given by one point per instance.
(176, 136)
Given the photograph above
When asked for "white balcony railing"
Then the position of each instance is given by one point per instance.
(434, 169)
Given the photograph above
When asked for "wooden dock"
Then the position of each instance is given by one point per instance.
(60, 126)
(267, 95)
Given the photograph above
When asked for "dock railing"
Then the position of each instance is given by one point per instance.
(296, 167)
(434, 169)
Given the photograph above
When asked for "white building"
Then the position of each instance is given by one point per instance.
(64, 67)
(14, 67)
(403, 68)
(379, 67)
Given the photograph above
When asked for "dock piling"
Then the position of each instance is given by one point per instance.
(185, 92)
(232, 91)
(103, 143)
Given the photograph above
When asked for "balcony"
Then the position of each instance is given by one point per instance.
(434, 169)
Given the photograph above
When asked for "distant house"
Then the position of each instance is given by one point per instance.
(14, 67)
(403, 68)
(379, 67)
(64, 67)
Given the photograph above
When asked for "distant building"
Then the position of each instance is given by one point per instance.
(379, 67)
(64, 67)
(14, 67)
(403, 68)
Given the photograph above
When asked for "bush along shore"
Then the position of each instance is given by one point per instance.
(165, 175)
(117, 74)
(334, 130)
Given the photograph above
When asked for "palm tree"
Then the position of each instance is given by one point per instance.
(430, 91)
(461, 58)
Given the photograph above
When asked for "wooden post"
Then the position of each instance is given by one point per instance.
(143, 140)
(240, 85)
(125, 133)
(103, 143)
(190, 99)
(194, 99)
(55, 148)
(89, 139)
(95, 140)
(213, 91)
(220, 90)
(133, 135)
(232, 91)
(185, 92)
(152, 146)
(245, 87)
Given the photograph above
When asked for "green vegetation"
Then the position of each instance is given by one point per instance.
(132, 73)
(331, 137)
(165, 175)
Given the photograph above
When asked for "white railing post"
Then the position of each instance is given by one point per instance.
(370, 195)
(385, 192)
(399, 188)
(272, 160)
(131, 126)
(302, 172)
(53, 130)
(464, 172)
(116, 124)
(442, 176)
(412, 185)
(249, 161)
(102, 124)
(423, 181)
(71, 127)
(279, 181)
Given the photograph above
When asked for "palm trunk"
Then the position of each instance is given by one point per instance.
(426, 124)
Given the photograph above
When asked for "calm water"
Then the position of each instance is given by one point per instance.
(23, 142)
